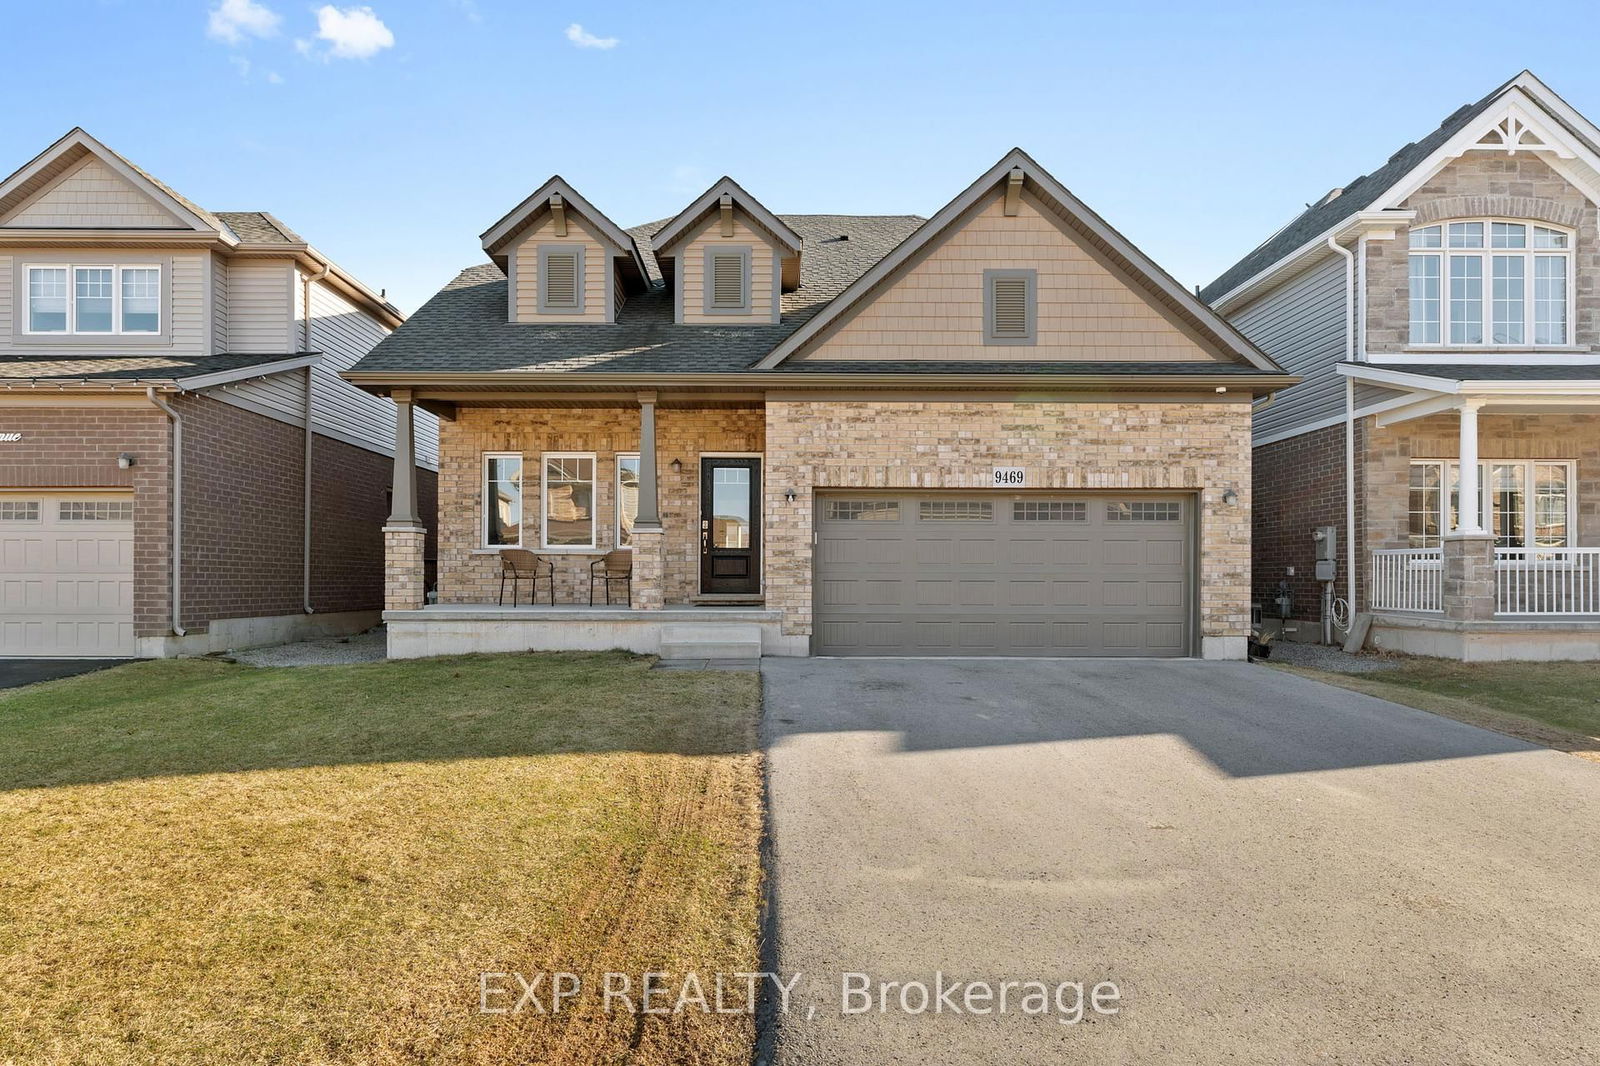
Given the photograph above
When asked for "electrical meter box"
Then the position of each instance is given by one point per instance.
(1327, 538)
(1327, 570)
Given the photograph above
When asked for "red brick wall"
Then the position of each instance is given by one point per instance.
(77, 447)
(1299, 485)
(350, 503)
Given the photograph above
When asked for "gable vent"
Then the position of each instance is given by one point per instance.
(561, 280)
(727, 281)
(1010, 306)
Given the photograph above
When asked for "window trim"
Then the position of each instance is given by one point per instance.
(1486, 514)
(25, 319)
(579, 276)
(1444, 256)
(617, 489)
(745, 254)
(1031, 277)
(483, 500)
(544, 501)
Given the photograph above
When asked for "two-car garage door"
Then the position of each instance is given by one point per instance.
(1004, 574)
(66, 574)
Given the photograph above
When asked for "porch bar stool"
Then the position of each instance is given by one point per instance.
(612, 566)
(520, 564)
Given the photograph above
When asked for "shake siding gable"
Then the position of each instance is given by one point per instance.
(92, 196)
(935, 309)
(596, 260)
(691, 268)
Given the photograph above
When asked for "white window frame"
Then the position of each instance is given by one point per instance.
(483, 501)
(544, 500)
(72, 329)
(1449, 484)
(617, 488)
(1444, 255)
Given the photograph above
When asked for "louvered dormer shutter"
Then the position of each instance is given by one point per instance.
(728, 279)
(560, 279)
(1009, 306)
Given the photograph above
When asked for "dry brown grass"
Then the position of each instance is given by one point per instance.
(207, 863)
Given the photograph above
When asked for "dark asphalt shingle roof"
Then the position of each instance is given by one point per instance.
(1148, 367)
(464, 327)
(148, 369)
(1479, 372)
(1358, 195)
(259, 227)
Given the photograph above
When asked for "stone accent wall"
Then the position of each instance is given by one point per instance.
(1479, 185)
(1203, 446)
(1299, 485)
(403, 568)
(469, 575)
(1468, 591)
(647, 587)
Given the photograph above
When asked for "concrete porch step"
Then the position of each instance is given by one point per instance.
(711, 640)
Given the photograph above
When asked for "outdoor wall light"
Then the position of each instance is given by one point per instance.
(1230, 497)
(789, 495)
(125, 460)
(677, 466)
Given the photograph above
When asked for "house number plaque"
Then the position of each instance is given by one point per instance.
(1010, 477)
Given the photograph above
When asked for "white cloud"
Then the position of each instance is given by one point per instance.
(351, 33)
(274, 77)
(234, 20)
(584, 39)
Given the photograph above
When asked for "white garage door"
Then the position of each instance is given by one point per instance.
(66, 574)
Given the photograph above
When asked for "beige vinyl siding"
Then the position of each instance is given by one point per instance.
(691, 271)
(1086, 311)
(261, 306)
(92, 196)
(219, 303)
(596, 262)
(189, 326)
(1301, 324)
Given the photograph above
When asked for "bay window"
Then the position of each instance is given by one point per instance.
(568, 500)
(1524, 503)
(94, 299)
(1490, 283)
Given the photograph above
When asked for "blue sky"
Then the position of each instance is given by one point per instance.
(392, 136)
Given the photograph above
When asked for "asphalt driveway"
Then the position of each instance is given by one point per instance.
(1268, 869)
(14, 673)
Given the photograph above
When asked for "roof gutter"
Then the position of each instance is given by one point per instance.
(177, 507)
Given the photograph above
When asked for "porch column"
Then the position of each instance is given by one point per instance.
(404, 536)
(648, 585)
(1468, 549)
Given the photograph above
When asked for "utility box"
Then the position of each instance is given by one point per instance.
(1327, 570)
(1327, 538)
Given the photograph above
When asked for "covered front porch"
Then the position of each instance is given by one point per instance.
(1514, 573)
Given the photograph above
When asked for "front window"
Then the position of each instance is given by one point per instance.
(1490, 283)
(94, 299)
(1523, 503)
(627, 498)
(502, 501)
(568, 501)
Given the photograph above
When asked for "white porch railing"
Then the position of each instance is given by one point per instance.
(1547, 581)
(1408, 579)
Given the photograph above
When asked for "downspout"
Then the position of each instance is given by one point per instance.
(1349, 425)
(177, 507)
(305, 532)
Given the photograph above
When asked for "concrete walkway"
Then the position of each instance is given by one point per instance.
(1268, 869)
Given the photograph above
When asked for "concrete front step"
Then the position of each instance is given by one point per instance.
(711, 640)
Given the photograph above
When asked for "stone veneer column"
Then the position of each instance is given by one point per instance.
(1469, 577)
(648, 586)
(404, 536)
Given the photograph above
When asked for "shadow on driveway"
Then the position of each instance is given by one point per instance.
(14, 673)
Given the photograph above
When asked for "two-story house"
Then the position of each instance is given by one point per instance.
(1001, 430)
(182, 470)
(1443, 312)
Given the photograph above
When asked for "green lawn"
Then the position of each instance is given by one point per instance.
(1557, 704)
(203, 862)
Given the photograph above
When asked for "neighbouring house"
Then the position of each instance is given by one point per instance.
(1443, 313)
(182, 470)
(999, 431)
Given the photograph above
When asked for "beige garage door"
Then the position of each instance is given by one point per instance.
(66, 574)
(931, 574)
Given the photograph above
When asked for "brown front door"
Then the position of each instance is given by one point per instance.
(730, 526)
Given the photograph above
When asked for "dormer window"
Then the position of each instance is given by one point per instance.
(728, 280)
(1490, 282)
(561, 279)
(1009, 306)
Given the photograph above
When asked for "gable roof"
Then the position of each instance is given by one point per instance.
(498, 237)
(1157, 284)
(1340, 206)
(707, 202)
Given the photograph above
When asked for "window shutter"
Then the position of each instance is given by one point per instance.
(561, 280)
(727, 281)
(1010, 302)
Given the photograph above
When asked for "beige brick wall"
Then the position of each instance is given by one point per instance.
(682, 434)
(1482, 185)
(1538, 436)
(1085, 311)
(1167, 446)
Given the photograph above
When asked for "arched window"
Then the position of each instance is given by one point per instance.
(1490, 282)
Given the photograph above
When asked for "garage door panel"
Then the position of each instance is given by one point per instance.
(66, 566)
(1067, 574)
